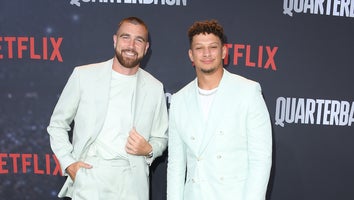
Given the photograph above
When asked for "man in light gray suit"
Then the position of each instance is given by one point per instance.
(120, 123)
(220, 140)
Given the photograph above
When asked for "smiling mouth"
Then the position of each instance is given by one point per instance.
(129, 53)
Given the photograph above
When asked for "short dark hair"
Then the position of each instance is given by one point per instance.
(206, 27)
(133, 20)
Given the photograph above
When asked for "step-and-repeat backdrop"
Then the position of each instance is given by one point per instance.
(301, 52)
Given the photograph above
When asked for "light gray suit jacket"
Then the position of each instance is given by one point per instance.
(227, 157)
(84, 100)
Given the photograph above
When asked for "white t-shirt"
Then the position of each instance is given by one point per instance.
(206, 98)
(110, 143)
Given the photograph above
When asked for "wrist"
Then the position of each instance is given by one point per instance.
(150, 154)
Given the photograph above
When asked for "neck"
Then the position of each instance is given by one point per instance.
(124, 70)
(210, 81)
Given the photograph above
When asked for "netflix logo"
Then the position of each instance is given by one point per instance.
(12, 47)
(263, 57)
(14, 163)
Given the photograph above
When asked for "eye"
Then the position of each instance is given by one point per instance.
(125, 37)
(140, 40)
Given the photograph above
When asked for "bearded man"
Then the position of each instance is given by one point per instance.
(120, 122)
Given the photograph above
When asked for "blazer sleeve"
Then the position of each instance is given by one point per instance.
(158, 137)
(259, 135)
(59, 125)
(176, 169)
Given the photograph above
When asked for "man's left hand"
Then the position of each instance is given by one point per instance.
(137, 145)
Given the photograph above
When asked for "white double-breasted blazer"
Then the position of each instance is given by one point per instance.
(226, 157)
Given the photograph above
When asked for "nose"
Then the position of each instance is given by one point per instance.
(206, 52)
(131, 43)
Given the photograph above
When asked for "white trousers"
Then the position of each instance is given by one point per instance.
(106, 180)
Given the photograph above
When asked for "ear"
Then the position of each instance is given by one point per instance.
(224, 51)
(190, 53)
(114, 40)
(147, 47)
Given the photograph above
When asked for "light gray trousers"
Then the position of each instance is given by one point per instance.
(106, 180)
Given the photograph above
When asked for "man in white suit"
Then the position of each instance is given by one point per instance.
(220, 141)
(120, 123)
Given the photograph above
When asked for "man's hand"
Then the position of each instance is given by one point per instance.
(73, 168)
(137, 145)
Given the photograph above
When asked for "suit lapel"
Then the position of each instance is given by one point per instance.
(136, 163)
(101, 93)
(138, 97)
(195, 117)
(216, 112)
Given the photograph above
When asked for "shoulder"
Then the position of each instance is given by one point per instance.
(149, 79)
(187, 88)
(184, 92)
(240, 80)
(94, 67)
(240, 83)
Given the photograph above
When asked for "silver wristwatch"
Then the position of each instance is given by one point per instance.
(150, 155)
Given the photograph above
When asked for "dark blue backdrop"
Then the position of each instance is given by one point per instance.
(300, 51)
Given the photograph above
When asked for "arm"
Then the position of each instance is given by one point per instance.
(259, 135)
(63, 115)
(158, 136)
(157, 141)
(176, 169)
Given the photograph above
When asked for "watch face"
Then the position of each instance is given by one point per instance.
(150, 155)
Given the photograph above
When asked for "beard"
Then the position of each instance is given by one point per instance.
(128, 62)
(208, 71)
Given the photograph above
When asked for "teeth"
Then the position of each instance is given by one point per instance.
(129, 53)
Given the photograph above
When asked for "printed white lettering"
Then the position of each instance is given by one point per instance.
(313, 111)
(142, 2)
(340, 8)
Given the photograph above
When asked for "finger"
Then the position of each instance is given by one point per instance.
(129, 149)
(135, 139)
(130, 146)
(131, 140)
(85, 165)
(136, 133)
(133, 131)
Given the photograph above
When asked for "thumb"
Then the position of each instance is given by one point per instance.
(133, 131)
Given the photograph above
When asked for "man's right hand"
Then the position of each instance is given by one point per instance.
(73, 168)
